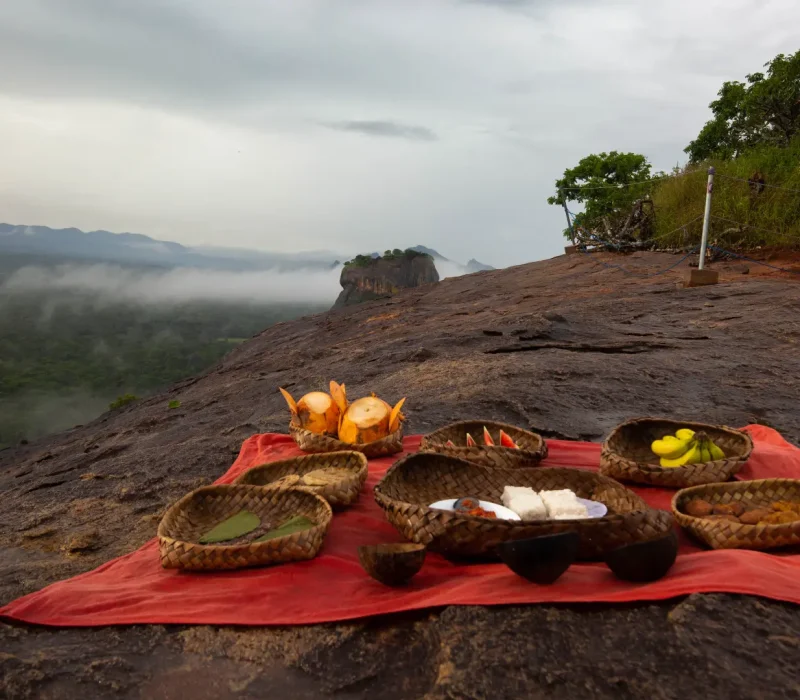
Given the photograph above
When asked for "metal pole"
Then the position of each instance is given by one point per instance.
(569, 220)
(706, 218)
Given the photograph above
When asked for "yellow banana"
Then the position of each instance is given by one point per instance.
(705, 455)
(684, 434)
(691, 456)
(671, 449)
(716, 452)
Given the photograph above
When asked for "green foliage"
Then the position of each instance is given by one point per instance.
(359, 261)
(764, 111)
(121, 401)
(596, 183)
(772, 216)
(396, 254)
(65, 357)
(174, 404)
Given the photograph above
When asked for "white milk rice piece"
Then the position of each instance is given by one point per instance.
(525, 502)
(563, 504)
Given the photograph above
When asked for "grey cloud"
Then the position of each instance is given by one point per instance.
(387, 128)
(199, 120)
(203, 56)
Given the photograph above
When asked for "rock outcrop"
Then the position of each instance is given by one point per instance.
(365, 279)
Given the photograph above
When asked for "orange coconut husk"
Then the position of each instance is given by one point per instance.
(316, 412)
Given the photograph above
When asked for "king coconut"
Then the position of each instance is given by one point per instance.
(364, 420)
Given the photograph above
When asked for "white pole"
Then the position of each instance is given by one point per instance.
(706, 218)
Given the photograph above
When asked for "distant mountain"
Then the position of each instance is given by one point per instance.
(428, 251)
(136, 248)
(474, 266)
(445, 263)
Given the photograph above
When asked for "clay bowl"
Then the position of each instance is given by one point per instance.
(643, 562)
(540, 559)
(392, 564)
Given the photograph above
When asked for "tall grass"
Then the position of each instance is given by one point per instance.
(769, 219)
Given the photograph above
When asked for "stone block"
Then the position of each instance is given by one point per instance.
(700, 278)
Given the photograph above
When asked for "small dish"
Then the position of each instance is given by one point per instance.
(392, 564)
(500, 511)
(543, 559)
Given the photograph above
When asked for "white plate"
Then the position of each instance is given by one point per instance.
(595, 508)
(498, 510)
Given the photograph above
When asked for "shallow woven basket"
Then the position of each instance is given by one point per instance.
(316, 443)
(352, 467)
(533, 448)
(202, 509)
(722, 534)
(420, 479)
(626, 453)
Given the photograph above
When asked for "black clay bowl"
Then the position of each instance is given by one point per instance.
(392, 564)
(540, 559)
(643, 562)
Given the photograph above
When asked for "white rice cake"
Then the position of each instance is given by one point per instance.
(563, 505)
(525, 502)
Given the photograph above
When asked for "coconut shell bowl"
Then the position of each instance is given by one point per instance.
(543, 559)
(392, 564)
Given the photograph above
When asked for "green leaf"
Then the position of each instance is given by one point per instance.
(295, 524)
(237, 525)
(174, 404)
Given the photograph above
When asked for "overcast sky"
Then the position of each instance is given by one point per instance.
(352, 125)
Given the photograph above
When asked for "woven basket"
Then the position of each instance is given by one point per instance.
(316, 443)
(202, 509)
(723, 534)
(532, 447)
(626, 454)
(420, 479)
(352, 467)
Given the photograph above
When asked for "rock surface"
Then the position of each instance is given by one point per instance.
(382, 277)
(567, 347)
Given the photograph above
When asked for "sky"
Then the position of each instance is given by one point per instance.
(352, 125)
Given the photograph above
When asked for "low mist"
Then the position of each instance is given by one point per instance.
(109, 283)
(34, 414)
(113, 283)
(448, 268)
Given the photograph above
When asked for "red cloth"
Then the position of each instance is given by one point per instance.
(333, 586)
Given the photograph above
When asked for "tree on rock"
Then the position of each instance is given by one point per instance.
(607, 184)
(763, 111)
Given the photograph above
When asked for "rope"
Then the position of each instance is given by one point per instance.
(752, 260)
(580, 188)
(654, 238)
(757, 228)
(634, 274)
(583, 250)
(760, 184)
(597, 241)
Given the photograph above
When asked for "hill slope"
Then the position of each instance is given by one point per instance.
(564, 346)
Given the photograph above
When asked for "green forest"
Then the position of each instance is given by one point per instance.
(66, 357)
(753, 142)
